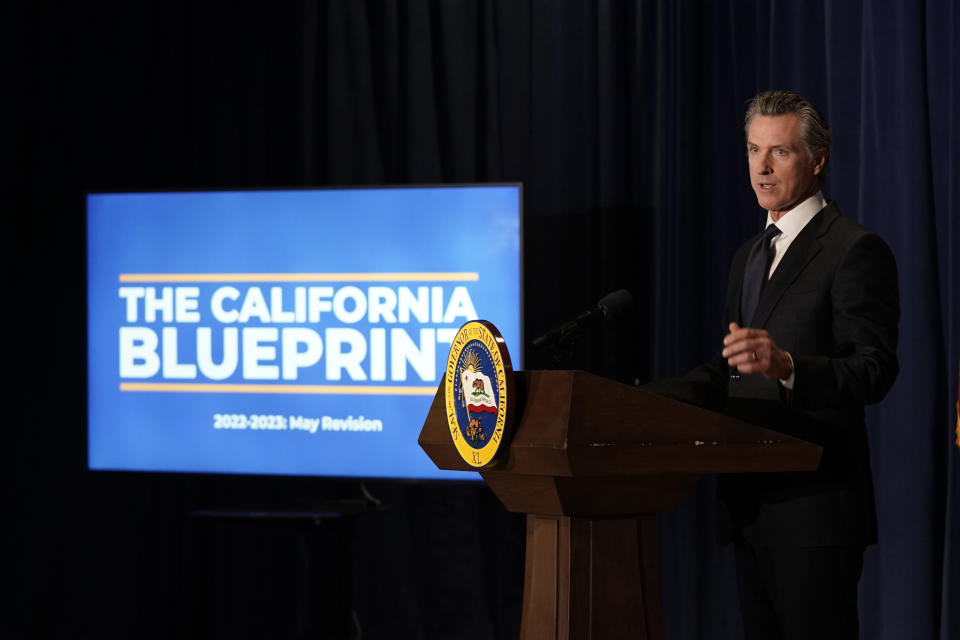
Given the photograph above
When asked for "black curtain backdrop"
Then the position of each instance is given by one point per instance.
(624, 122)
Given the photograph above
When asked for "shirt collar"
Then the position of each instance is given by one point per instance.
(792, 222)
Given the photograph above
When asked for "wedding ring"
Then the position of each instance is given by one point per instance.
(754, 354)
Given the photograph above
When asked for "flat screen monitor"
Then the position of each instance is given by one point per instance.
(288, 332)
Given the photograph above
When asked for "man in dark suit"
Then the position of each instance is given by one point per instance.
(812, 310)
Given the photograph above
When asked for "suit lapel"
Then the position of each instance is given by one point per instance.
(802, 250)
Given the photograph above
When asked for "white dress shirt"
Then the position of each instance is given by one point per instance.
(791, 224)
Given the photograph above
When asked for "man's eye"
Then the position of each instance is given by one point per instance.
(780, 152)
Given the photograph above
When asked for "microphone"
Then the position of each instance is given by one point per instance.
(609, 306)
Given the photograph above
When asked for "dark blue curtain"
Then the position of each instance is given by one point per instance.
(624, 122)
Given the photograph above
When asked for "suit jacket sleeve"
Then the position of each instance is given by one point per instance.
(862, 365)
(705, 385)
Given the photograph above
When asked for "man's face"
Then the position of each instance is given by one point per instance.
(781, 170)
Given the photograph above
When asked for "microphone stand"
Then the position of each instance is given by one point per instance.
(562, 338)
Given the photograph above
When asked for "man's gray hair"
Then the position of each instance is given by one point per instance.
(815, 132)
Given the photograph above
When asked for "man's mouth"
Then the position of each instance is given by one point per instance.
(765, 186)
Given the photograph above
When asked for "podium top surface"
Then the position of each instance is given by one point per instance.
(574, 424)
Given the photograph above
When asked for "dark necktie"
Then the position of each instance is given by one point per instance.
(755, 274)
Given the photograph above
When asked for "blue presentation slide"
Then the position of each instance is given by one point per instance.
(288, 332)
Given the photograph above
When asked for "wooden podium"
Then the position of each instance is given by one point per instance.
(591, 463)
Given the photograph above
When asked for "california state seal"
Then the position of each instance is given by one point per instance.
(479, 392)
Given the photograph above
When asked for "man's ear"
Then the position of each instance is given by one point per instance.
(820, 162)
